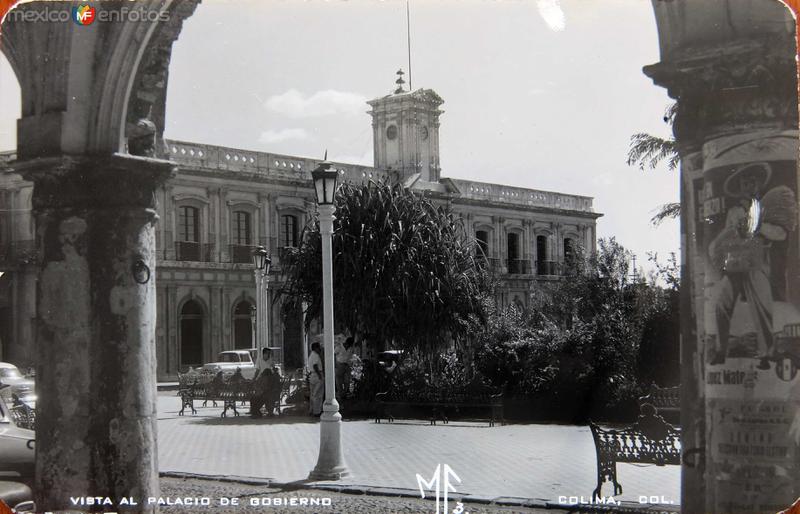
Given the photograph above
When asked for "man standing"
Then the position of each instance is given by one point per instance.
(344, 355)
(315, 380)
(267, 386)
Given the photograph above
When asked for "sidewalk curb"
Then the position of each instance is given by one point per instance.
(500, 501)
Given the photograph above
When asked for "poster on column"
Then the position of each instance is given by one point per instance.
(747, 214)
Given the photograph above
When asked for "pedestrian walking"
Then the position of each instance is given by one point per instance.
(315, 380)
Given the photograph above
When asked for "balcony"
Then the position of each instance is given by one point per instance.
(490, 264)
(194, 252)
(241, 254)
(519, 267)
(547, 268)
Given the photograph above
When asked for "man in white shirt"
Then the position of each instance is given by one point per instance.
(315, 380)
(344, 355)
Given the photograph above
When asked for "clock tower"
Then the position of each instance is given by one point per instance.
(405, 128)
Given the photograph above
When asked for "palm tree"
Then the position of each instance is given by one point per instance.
(648, 151)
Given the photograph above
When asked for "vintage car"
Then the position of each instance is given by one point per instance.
(17, 446)
(20, 387)
(231, 360)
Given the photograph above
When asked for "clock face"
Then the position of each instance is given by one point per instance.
(424, 133)
(391, 132)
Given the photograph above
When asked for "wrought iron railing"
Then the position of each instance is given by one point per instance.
(547, 268)
(519, 266)
(194, 252)
(241, 254)
(276, 251)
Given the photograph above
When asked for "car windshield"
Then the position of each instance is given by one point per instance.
(229, 357)
(10, 373)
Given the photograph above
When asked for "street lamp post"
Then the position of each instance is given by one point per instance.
(262, 264)
(330, 464)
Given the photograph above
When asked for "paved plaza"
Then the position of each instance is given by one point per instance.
(254, 498)
(537, 462)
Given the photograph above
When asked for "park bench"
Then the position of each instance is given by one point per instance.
(650, 440)
(24, 415)
(664, 399)
(228, 390)
(474, 396)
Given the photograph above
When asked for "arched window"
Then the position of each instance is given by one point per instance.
(243, 336)
(482, 238)
(514, 261)
(543, 265)
(241, 238)
(569, 252)
(187, 246)
(241, 228)
(288, 231)
(191, 327)
(188, 224)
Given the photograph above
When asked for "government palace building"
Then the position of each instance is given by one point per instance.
(223, 202)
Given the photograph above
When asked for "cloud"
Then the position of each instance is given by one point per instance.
(551, 13)
(295, 104)
(277, 136)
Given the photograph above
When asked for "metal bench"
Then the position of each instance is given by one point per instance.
(475, 395)
(228, 390)
(664, 399)
(650, 440)
(24, 415)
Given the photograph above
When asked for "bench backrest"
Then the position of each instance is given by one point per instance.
(650, 440)
(663, 399)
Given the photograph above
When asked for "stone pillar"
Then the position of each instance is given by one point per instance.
(214, 208)
(169, 224)
(173, 317)
(96, 426)
(731, 68)
(162, 358)
(224, 225)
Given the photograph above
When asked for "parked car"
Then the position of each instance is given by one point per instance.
(17, 446)
(17, 496)
(20, 386)
(231, 360)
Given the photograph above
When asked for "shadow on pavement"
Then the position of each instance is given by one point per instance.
(245, 419)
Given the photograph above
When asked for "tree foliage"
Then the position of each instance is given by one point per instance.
(594, 340)
(403, 268)
(647, 151)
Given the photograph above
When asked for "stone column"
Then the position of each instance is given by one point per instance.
(96, 426)
(214, 209)
(169, 224)
(173, 317)
(224, 225)
(162, 358)
(731, 68)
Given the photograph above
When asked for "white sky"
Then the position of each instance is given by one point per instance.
(526, 103)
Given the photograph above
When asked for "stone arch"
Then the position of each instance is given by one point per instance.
(241, 321)
(488, 229)
(193, 344)
(543, 251)
(514, 250)
(95, 97)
